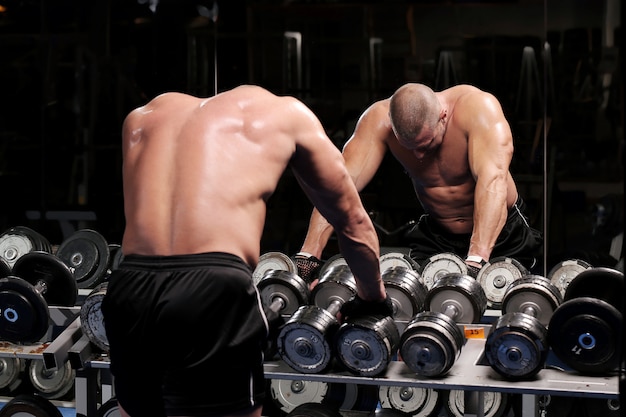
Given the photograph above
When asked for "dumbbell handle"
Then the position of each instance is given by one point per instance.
(530, 310)
(451, 311)
(334, 307)
(277, 304)
(41, 287)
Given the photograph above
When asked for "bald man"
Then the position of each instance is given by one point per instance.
(456, 146)
(182, 315)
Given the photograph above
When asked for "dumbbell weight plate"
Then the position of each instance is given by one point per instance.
(91, 319)
(600, 282)
(460, 292)
(532, 293)
(496, 276)
(304, 341)
(273, 261)
(439, 265)
(87, 253)
(51, 384)
(28, 405)
(365, 345)
(357, 398)
(14, 244)
(394, 259)
(431, 343)
(517, 346)
(332, 262)
(286, 286)
(23, 312)
(60, 285)
(289, 394)
(336, 284)
(406, 291)
(584, 334)
(564, 272)
(413, 401)
(496, 404)
(110, 409)
(11, 369)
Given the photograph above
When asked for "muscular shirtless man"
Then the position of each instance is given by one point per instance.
(456, 146)
(182, 315)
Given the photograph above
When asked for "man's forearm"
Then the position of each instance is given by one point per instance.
(317, 236)
(490, 213)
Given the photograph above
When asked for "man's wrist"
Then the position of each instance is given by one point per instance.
(476, 259)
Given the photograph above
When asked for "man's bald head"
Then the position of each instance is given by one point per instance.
(413, 107)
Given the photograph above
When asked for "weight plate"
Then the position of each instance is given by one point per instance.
(496, 404)
(51, 383)
(5, 268)
(496, 276)
(413, 401)
(23, 312)
(13, 245)
(357, 398)
(365, 345)
(288, 394)
(40, 243)
(284, 287)
(533, 295)
(273, 261)
(42, 269)
(583, 333)
(87, 254)
(28, 405)
(336, 286)
(304, 342)
(458, 296)
(392, 259)
(441, 264)
(406, 291)
(602, 283)
(332, 262)
(110, 409)
(314, 410)
(517, 346)
(11, 369)
(564, 272)
(91, 319)
(431, 343)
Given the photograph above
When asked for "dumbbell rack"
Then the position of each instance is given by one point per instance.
(470, 373)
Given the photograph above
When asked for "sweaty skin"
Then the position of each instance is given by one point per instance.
(197, 174)
(460, 171)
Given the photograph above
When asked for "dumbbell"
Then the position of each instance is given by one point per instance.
(52, 384)
(389, 259)
(439, 265)
(91, 319)
(11, 373)
(496, 276)
(88, 255)
(20, 240)
(406, 290)
(30, 405)
(282, 293)
(495, 404)
(565, 271)
(585, 331)
(411, 401)
(38, 279)
(517, 345)
(5, 268)
(306, 340)
(432, 340)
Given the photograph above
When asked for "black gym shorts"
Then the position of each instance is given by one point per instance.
(186, 335)
(517, 239)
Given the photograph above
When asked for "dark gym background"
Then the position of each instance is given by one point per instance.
(71, 70)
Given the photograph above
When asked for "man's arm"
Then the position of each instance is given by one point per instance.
(490, 148)
(319, 167)
(363, 154)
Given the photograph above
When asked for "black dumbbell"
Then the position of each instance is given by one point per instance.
(496, 276)
(584, 332)
(432, 340)
(20, 240)
(88, 255)
(38, 279)
(306, 341)
(517, 345)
